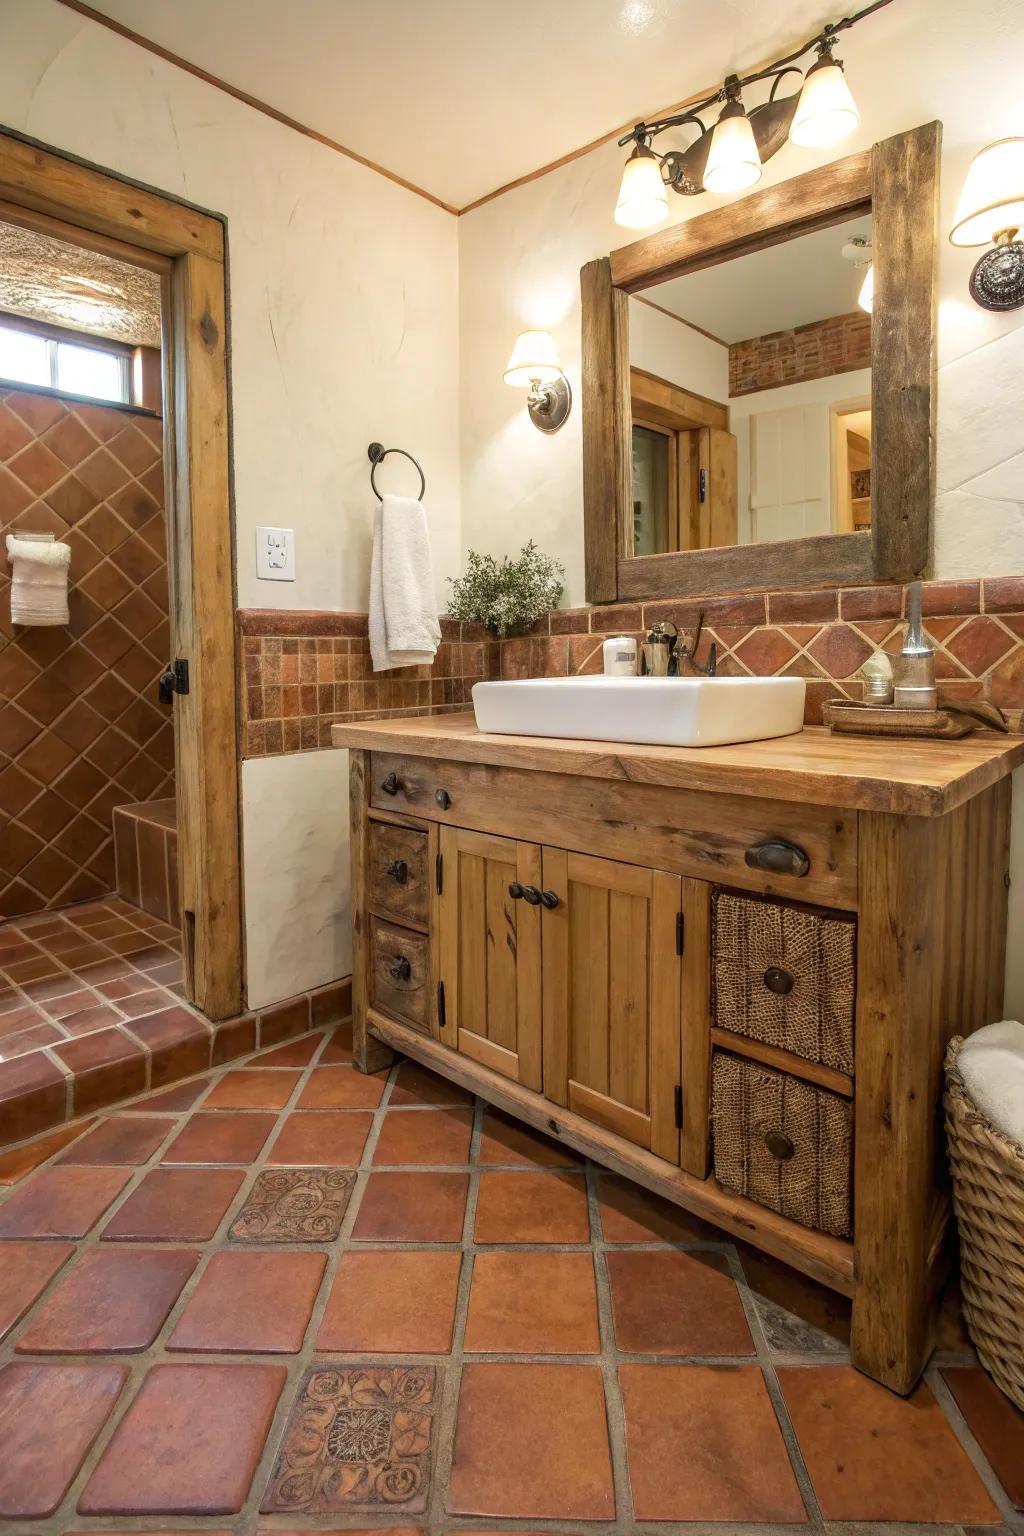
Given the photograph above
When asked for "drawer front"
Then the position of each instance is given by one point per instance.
(400, 973)
(784, 975)
(784, 1143)
(397, 873)
(800, 852)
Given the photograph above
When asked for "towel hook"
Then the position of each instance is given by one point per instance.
(376, 452)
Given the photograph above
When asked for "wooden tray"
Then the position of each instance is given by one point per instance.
(847, 718)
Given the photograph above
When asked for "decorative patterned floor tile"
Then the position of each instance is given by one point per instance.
(358, 1441)
(294, 1205)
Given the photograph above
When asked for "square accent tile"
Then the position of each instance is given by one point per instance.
(673, 1303)
(294, 1205)
(392, 1302)
(533, 1304)
(532, 1208)
(251, 1303)
(359, 1440)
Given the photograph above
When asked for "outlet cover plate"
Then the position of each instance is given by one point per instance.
(275, 554)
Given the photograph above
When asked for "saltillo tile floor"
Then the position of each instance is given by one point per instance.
(285, 1297)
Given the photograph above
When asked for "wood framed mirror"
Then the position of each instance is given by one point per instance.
(786, 437)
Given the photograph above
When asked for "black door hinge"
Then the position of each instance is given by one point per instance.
(439, 873)
(680, 930)
(174, 680)
(679, 1106)
(703, 493)
(440, 1006)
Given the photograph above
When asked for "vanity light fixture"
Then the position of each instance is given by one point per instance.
(858, 250)
(534, 365)
(991, 212)
(727, 156)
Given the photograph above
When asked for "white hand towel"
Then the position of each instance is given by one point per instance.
(39, 585)
(404, 631)
(991, 1063)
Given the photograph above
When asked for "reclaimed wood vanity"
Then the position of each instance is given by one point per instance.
(728, 973)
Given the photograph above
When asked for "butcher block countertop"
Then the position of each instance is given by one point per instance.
(911, 778)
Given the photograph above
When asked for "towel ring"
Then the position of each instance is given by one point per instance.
(376, 452)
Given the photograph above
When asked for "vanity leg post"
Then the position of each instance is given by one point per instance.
(902, 1031)
(367, 1053)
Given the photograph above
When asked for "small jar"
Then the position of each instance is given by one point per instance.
(619, 653)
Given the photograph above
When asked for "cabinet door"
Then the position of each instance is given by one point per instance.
(612, 979)
(489, 953)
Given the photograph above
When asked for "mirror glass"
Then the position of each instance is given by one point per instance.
(750, 387)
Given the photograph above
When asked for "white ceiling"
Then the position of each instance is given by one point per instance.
(801, 281)
(462, 96)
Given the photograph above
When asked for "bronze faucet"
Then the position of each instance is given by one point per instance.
(689, 654)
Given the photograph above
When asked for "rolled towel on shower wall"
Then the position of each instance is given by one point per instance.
(39, 584)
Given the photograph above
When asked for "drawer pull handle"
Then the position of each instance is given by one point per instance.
(398, 869)
(778, 981)
(515, 890)
(392, 784)
(779, 1146)
(778, 857)
(400, 969)
(549, 899)
(443, 798)
(532, 895)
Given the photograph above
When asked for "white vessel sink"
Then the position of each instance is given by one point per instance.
(659, 711)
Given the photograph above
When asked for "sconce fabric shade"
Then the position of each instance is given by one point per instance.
(643, 196)
(992, 199)
(866, 297)
(733, 160)
(826, 111)
(534, 357)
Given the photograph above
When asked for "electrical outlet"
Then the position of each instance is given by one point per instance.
(275, 554)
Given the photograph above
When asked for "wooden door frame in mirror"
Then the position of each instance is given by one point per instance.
(188, 248)
(898, 179)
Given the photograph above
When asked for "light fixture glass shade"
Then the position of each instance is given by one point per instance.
(643, 196)
(534, 356)
(733, 160)
(866, 297)
(992, 199)
(826, 111)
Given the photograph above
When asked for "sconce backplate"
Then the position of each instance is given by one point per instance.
(997, 281)
(549, 413)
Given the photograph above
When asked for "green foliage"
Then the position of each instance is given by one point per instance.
(507, 597)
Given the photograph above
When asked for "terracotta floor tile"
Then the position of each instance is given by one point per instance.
(110, 1302)
(250, 1303)
(339, 1046)
(189, 1444)
(532, 1208)
(332, 1139)
(294, 1205)
(27, 1269)
(49, 1417)
(124, 1139)
(296, 1053)
(413, 1208)
(531, 1442)
(996, 1424)
(798, 1315)
(703, 1443)
(246, 1089)
(341, 1088)
(177, 1205)
(630, 1214)
(392, 1302)
(508, 1142)
(533, 1304)
(220, 1137)
(61, 1202)
(181, 1096)
(418, 1085)
(853, 1433)
(672, 1303)
(437, 1136)
(337, 1458)
(19, 1161)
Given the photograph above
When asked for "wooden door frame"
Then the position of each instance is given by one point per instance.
(188, 247)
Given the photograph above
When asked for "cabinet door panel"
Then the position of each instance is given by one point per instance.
(489, 953)
(612, 996)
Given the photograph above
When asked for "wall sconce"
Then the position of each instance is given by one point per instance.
(991, 212)
(728, 155)
(858, 251)
(534, 365)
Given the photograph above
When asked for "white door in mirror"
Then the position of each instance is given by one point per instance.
(275, 554)
(654, 711)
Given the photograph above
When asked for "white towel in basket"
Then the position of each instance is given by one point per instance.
(39, 585)
(991, 1063)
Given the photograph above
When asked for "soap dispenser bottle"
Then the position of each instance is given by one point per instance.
(914, 669)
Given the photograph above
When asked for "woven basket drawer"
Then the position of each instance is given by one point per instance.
(784, 975)
(784, 1143)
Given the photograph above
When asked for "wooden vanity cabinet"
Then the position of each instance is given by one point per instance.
(729, 974)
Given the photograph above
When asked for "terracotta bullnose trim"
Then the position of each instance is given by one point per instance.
(298, 621)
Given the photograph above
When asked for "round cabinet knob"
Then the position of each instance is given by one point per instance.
(780, 1146)
(549, 899)
(443, 798)
(400, 969)
(391, 784)
(778, 981)
(532, 895)
(515, 890)
(398, 869)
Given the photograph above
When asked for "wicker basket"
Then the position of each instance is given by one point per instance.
(988, 1195)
